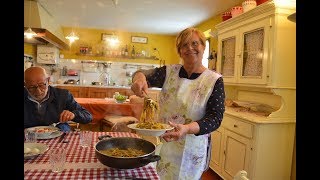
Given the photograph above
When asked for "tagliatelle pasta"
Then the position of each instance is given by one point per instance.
(150, 110)
(149, 115)
(150, 125)
(116, 152)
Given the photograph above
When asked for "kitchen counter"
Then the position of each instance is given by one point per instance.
(255, 118)
(99, 86)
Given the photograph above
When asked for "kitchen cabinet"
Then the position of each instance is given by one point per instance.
(103, 92)
(216, 150)
(264, 150)
(95, 92)
(254, 47)
(76, 91)
(107, 92)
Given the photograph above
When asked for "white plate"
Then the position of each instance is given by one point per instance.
(52, 135)
(47, 131)
(150, 132)
(32, 150)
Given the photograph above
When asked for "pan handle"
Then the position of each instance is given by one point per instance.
(149, 159)
(104, 137)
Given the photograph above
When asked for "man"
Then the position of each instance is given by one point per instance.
(45, 105)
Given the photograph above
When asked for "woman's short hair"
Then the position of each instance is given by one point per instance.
(185, 35)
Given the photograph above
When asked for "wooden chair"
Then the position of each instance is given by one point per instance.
(117, 123)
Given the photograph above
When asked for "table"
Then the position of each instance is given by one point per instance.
(81, 163)
(100, 107)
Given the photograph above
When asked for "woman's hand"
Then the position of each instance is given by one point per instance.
(178, 132)
(139, 84)
(66, 116)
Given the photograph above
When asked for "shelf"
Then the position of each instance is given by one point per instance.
(116, 57)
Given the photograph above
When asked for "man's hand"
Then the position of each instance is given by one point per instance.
(66, 116)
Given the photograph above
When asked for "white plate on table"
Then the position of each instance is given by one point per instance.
(46, 132)
(32, 150)
(150, 132)
(52, 135)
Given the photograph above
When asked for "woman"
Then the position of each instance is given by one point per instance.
(192, 101)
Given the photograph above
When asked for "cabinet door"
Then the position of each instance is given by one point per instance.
(75, 91)
(97, 92)
(237, 154)
(254, 53)
(216, 150)
(226, 64)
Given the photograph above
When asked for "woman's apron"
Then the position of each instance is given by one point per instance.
(183, 101)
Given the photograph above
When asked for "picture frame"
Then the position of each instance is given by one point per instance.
(139, 39)
(105, 36)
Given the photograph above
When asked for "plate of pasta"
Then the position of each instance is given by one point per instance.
(150, 128)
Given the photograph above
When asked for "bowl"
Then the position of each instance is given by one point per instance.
(248, 5)
(34, 149)
(120, 101)
(226, 15)
(236, 11)
(150, 132)
(120, 98)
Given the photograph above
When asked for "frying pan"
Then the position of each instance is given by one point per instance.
(124, 143)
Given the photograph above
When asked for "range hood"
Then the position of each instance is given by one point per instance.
(42, 23)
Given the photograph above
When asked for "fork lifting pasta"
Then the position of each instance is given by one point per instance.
(150, 110)
(149, 115)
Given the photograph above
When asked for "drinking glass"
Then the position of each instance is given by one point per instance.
(30, 136)
(57, 158)
(85, 138)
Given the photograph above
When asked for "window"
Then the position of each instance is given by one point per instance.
(206, 54)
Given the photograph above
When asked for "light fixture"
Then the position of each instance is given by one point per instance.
(113, 40)
(29, 33)
(72, 37)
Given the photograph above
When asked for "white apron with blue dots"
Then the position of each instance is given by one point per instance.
(183, 101)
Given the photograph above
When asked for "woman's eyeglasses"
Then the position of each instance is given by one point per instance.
(194, 44)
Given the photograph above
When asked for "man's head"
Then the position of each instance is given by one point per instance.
(36, 81)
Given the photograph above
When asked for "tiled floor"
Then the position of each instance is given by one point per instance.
(210, 175)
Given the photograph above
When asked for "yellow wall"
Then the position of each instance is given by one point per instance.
(92, 38)
(210, 24)
(30, 49)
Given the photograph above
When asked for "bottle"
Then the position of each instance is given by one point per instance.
(126, 52)
(133, 52)
(122, 52)
(64, 70)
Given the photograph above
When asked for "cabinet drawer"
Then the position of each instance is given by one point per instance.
(238, 126)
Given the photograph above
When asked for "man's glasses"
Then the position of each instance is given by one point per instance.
(194, 44)
(41, 86)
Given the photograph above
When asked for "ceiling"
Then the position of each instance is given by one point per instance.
(145, 16)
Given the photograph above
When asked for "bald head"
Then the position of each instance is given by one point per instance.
(36, 82)
(35, 74)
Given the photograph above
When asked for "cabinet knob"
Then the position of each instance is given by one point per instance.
(235, 125)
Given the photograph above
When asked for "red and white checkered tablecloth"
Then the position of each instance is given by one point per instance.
(81, 163)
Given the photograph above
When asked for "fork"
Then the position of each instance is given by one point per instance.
(146, 94)
(55, 124)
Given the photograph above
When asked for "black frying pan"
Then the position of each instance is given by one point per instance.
(124, 143)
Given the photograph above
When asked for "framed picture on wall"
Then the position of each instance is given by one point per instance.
(105, 36)
(139, 39)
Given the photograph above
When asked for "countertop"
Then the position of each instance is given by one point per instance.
(254, 118)
(99, 86)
